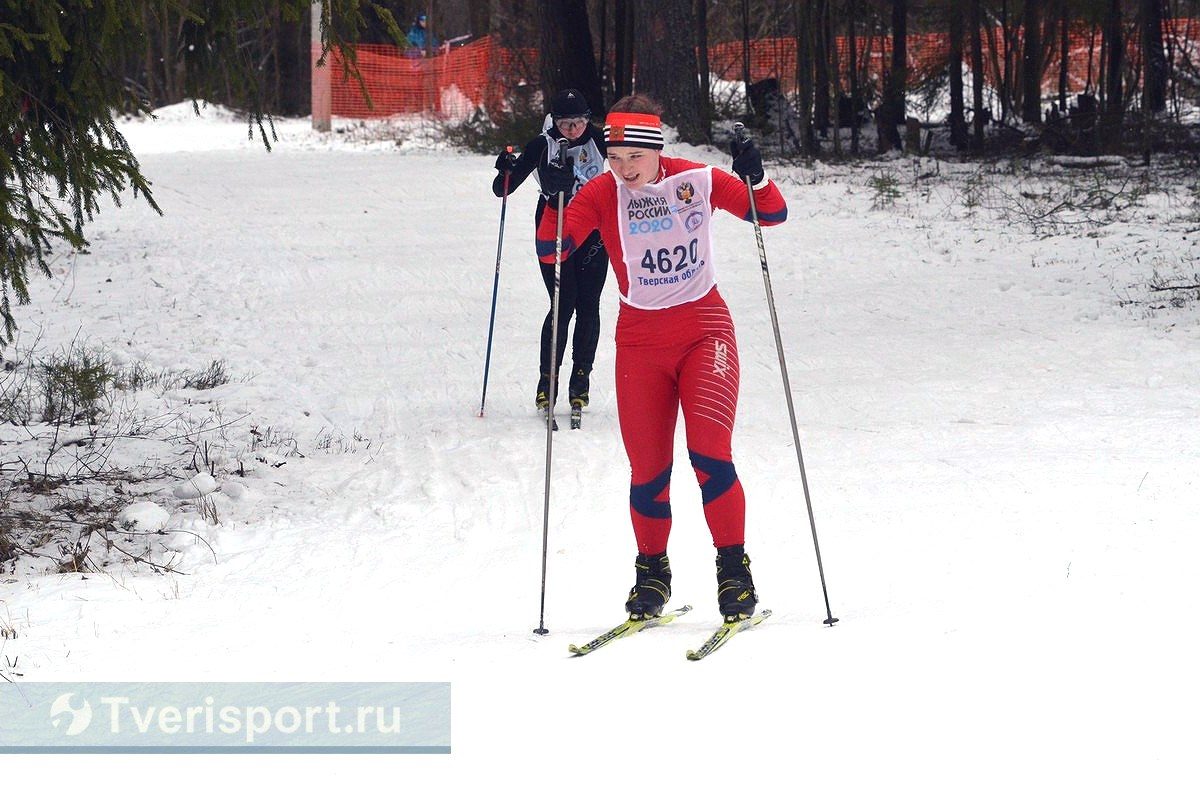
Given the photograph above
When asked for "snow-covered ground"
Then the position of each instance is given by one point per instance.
(1003, 457)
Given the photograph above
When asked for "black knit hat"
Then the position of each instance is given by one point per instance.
(569, 103)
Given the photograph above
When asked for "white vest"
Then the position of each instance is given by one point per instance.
(588, 161)
(667, 239)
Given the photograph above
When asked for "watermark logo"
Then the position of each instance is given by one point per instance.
(224, 717)
(81, 718)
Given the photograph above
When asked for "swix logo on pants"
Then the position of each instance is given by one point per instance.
(720, 358)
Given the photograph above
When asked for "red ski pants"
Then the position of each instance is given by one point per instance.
(682, 357)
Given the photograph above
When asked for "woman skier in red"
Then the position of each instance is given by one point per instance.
(675, 337)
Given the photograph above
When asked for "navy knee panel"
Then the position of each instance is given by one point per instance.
(642, 496)
(721, 476)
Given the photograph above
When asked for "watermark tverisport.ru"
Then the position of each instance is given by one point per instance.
(225, 717)
(248, 722)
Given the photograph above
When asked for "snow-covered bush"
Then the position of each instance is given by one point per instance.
(85, 432)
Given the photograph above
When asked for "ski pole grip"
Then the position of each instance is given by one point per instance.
(739, 130)
(561, 155)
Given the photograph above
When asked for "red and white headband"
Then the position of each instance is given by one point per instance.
(623, 129)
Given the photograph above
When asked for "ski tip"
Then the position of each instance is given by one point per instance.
(576, 650)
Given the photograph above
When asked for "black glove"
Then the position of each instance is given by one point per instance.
(555, 178)
(506, 161)
(747, 161)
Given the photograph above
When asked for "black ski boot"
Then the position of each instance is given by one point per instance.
(580, 383)
(652, 589)
(735, 587)
(542, 399)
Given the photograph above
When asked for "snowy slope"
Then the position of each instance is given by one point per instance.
(1002, 458)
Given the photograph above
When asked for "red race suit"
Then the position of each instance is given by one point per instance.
(675, 338)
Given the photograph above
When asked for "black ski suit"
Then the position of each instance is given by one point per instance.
(583, 273)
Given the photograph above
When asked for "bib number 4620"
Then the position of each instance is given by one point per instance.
(666, 260)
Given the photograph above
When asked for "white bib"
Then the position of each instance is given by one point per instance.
(667, 239)
(588, 161)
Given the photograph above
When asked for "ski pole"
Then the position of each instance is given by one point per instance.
(739, 130)
(558, 162)
(487, 363)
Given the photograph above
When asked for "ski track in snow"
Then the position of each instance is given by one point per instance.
(1002, 461)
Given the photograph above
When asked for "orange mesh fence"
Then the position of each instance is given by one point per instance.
(450, 84)
(481, 74)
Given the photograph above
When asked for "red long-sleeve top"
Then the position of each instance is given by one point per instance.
(595, 208)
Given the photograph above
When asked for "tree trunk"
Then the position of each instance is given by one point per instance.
(666, 68)
(567, 58)
(431, 30)
(623, 38)
(149, 59)
(893, 107)
(1154, 83)
(835, 83)
(292, 58)
(804, 77)
(852, 71)
(977, 76)
(1114, 96)
(1006, 81)
(479, 17)
(746, 79)
(170, 60)
(1031, 72)
(958, 125)
(706, 113)
(1064, 56)
(603, 72)
(821, 47)
(1091, 58)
